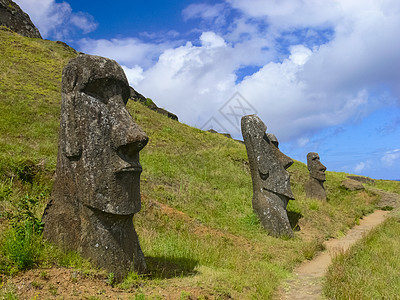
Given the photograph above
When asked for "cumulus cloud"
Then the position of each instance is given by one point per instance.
(134, 75)
(211, 40)
(390, 157)
(314, 65)
(298, 89)
(127, 51)
(57, 20)
(189, 81)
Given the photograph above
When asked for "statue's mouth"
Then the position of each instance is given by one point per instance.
(287, 194)
(131, 169)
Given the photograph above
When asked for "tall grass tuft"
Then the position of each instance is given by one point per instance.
(21, 244)
(20, 248)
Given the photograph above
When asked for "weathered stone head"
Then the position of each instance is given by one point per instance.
(271, 181)
(97, 186)
(315, 185)
(316, 168)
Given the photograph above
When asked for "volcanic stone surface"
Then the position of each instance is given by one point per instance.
(352, 185)
(315, 184)
(13, 17)
(271, 181)
(97, 184)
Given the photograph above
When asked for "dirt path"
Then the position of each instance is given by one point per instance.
(307, 280)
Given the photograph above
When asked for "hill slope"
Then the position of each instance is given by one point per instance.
(197, 229)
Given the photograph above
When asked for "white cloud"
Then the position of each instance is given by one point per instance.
(211, 40)
(301, 142)
(390, 157)
(204, 11)
(288, 14)
(315, 64)
(299, 54)
(56, 20)
(361, 167)
(127, 51)
(83, 21)
(134, 75)
(192, 81)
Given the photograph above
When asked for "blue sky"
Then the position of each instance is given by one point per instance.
(323, 75)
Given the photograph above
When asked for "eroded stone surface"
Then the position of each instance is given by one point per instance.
(362, 179)
(271, 181)
(13, 17)
(315, 185)
(352, 185)
(97, 185)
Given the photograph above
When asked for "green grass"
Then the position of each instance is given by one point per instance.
(30, 76)
(388, 185)
(370, 269)
(196, 227)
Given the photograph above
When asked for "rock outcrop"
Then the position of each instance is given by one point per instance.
(97, 185)
(228, 135)
(362, 179)
(271, 181)
(352, 185)
(135, 96)
(13, 17)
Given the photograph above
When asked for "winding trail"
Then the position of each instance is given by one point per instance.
(307, 280)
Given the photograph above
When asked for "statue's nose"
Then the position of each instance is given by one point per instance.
(131, 143)
(127, 137)
(285, 160)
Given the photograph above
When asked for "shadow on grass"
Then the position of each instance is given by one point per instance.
(294, 218)
(168, 267)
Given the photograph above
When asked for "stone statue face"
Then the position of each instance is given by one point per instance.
(270, 162)
(316, 168)
(102, 141)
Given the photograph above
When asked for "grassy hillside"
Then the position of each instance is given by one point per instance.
(197, 229)
(30, 76)
(372, 263)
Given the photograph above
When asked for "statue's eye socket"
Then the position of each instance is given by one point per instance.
(104, 89)
(97, 91)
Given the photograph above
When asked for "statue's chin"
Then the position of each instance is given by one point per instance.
(278, 197)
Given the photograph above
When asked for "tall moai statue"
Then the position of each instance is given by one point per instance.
(271, 181)
(97, 185)
(315, 184)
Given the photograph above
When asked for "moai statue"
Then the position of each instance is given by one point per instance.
(315, 184)
(97, 185)
(271, 181)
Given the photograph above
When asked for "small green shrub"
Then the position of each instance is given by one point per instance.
(140, 297)
(185, 295)
(23, 214)
(314, 205)
(149, 102)
(111, 279)
(21, 244)
(20, 248)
